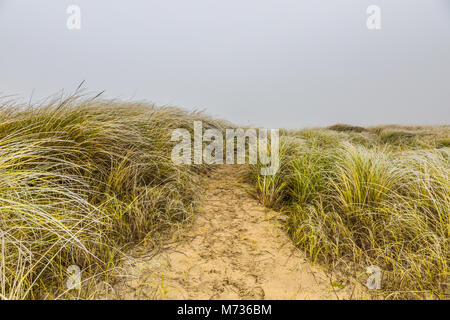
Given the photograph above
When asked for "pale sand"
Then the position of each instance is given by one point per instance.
(234, 249)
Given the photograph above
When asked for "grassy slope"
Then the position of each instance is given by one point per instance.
(79, 179)
(357, 197)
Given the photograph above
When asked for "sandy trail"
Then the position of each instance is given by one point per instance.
(234, 249)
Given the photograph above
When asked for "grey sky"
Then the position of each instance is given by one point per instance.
(274, 63)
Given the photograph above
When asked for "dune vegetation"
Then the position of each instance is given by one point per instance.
(80, 179)
(83, 179)
(356, 197)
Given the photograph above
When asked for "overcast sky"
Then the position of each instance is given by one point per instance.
(273, 63)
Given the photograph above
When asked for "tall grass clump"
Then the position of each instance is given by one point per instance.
(351, 205)
(79, 180)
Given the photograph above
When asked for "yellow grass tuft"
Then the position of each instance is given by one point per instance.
(380, 196)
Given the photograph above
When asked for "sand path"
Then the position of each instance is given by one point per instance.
(234, 249)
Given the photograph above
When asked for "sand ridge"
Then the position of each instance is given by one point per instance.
(234, 249)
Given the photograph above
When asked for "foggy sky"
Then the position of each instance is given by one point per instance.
(272, 63)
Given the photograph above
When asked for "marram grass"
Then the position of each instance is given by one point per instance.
(361, 197)
(79, 180)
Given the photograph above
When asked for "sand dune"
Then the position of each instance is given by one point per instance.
(234, 249)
